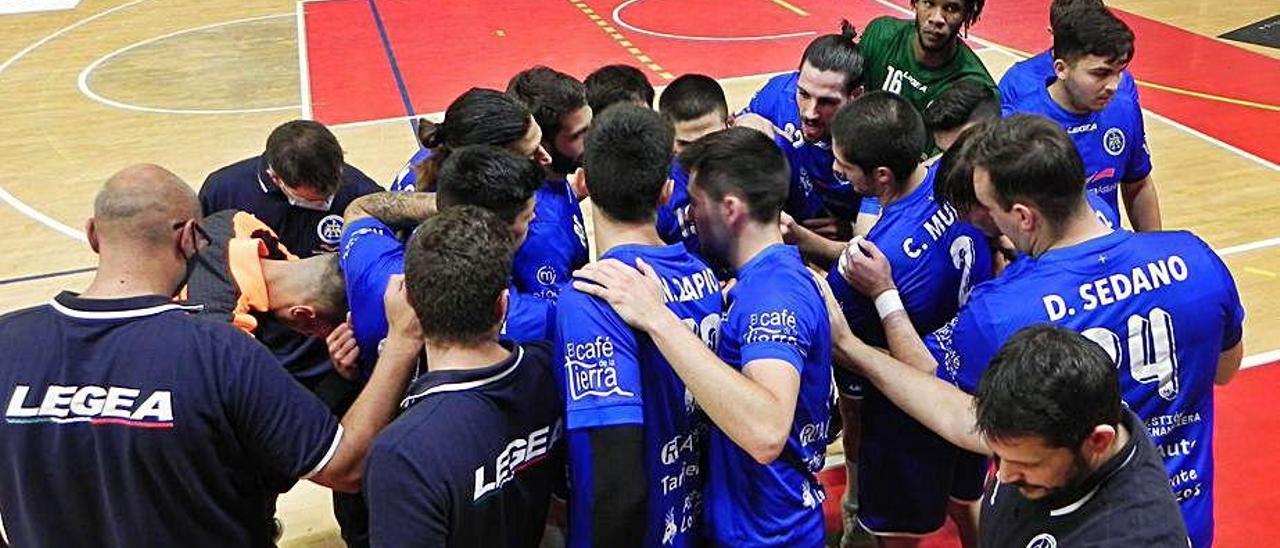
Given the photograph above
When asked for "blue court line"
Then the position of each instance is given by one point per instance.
(391, 57)
(47, 275)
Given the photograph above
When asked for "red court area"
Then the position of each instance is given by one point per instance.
(377, 59)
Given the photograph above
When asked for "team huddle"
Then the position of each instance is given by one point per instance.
(884, 249)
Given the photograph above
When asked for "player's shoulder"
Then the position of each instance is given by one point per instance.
(357, 183)
(883, 26)
(22, 324)
(1174, 242)
(780, 87)
(234, 173)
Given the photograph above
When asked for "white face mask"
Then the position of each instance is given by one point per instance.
(308, 204)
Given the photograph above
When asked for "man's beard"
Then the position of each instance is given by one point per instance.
(1078, 474)
(562, 164)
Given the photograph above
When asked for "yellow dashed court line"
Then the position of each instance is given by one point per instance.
(1260, 272)
(626, 44)
(791, 7)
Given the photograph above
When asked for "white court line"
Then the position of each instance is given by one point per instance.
(1242, 248)
(83, 81)
(617, 18)
(1260, 359)
(304, 63)
(46, 220)
(1177, 125)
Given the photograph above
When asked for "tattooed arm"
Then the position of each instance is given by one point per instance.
(395, 209)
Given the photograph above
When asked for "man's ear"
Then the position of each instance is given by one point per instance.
(664, 196)
(1099, 440)
(1060, 69)
(91, 233)
(1028, 217)
(504, 301)
(578, 181)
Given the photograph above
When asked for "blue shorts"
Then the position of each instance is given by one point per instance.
(907, 474)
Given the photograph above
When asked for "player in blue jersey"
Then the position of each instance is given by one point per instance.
(1026, 77)
(635, 437)
(129, 422)
(557, 241)
(474, 456)
(797, 107)
(908, 478)
(695, 106)
(615, 84)
(480, 175)
(478, 117)
(767, 386)
(963, 105)
(1091, 49)
(1162, 304)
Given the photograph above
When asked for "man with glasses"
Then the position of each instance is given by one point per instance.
(128, 422)
(299, 187)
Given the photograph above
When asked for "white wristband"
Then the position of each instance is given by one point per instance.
(888, 303)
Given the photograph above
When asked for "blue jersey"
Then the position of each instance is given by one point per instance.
(371, 254)
(407, 179)
(1029, 76)
(556, 244)
(816, 190)
(936, 261)
(775, 311)
(130, 422)
(473, 459)
(674, 223)
(1111, 142)
(1162, 304)
(557, 241)
(613, 376)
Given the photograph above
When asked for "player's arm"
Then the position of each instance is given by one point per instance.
(814, 246)
(378, 401)
(1229, 364)
(754, 407)
(1142, 203)
(757, 122)
(619, 496)
(395, 209)
(938, 405)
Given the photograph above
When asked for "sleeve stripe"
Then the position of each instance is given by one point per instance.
(328, 455)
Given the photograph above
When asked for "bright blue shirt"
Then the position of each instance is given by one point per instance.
(674, 223)
(556, 244)
(613, 376)
(557, 241)
(1028, 76)
(1112, 142)
(407, 179)
(1161, 303)
(936, 259)
(816, 190)
(371, 254)
(776, 311)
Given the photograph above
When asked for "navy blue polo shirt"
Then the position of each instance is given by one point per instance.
(1126, 502)
(129, 422)
(246, 186)
(473, 459)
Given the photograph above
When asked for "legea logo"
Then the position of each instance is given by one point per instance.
(96, 405)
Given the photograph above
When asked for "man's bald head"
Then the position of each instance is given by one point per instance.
(141, 204)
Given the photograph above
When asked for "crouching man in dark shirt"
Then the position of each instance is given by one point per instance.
(1074, 466)
(474, 457)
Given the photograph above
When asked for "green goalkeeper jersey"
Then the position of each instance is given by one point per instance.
(888, 46)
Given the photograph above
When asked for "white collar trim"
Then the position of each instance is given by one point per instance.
(121, 314)
(460, 386)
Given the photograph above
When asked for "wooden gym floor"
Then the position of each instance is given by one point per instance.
(196, 85)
